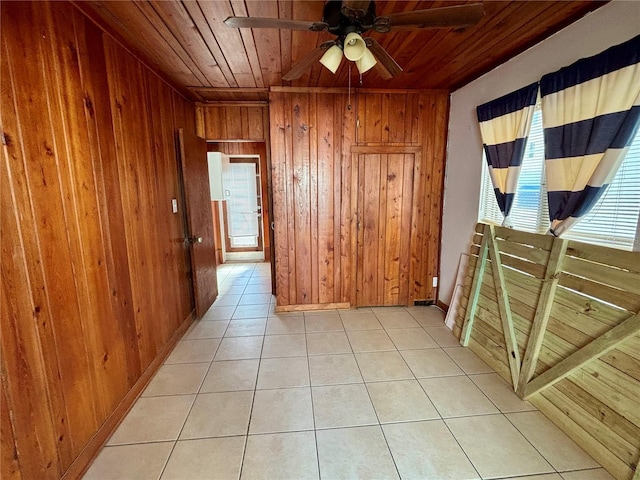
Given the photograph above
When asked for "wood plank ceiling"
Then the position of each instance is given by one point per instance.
(186, 42)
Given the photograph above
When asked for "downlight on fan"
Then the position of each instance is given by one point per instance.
(332, 58)
(355, 49)
(348, 20)
(366, 62)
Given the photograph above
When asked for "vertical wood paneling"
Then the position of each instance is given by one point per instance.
(316, 195)
(309, 165)
(127, 101)
(420, 283)
(24, 323)
(325, 191)
(414, 119)
(9, 465)
(385, 205)
(302, 202)
(398, 195)
(378, 211)
(290, 210)
(99, 124)
(83, 161)
(432, 180)
(45, 170)
(313, 193)
(231, 122)
(347, 116)
(369, 194)
(234, 124)
(402, 216)
(280, 196)
(94, 270)
(98, 257)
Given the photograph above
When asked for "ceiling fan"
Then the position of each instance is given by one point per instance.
(348, 19)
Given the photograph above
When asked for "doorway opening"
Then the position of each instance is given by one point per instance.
(241, 202)
(242, 208)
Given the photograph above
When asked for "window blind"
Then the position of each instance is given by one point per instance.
(613, 220)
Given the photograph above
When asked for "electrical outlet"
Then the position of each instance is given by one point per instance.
(435, 282)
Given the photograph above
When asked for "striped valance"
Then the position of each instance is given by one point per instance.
(504, 125)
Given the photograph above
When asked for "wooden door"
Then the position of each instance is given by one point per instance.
(385, 203)
(195, 174)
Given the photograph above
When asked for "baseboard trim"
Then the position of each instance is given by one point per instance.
(91, 449)
(310, 306)
(442, 306)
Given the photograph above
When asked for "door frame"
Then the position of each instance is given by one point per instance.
(236, 158)
(381, 149)
(263, 148)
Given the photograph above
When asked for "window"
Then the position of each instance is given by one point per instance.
(613, 221)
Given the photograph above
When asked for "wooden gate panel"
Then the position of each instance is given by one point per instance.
(574, 313)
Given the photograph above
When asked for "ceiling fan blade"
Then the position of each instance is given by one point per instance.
(261, 22)
(307, 62)
(455, 16)
(386, 67)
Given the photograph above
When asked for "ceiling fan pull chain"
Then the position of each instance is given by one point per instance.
(349, 105)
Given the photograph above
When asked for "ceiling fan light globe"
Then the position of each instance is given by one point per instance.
(366, 62)
(332, 58)
(354, 46)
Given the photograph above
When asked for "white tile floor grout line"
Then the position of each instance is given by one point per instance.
(313, 410)
(375, 411)
(253, 402)
(195, 397)
(244, 274)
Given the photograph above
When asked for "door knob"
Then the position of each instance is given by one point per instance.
(193, 239)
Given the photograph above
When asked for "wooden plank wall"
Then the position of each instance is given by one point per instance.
(312, 132)
(233, 121)
(598, 288)
(413, 118)
(95, 286)
(311, 137)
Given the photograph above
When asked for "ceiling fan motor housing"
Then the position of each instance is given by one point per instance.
(342, 19)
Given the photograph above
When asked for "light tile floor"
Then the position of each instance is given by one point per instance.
(373, 393)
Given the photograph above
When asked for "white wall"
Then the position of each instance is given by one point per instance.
(610, 25)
